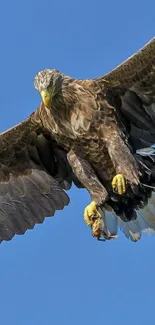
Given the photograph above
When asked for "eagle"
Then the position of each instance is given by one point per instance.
(97, 134)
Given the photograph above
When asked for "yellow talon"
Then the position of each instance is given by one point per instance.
(90, 212)
(94, 219)
(118, 184)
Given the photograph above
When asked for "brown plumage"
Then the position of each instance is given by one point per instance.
(86, 132)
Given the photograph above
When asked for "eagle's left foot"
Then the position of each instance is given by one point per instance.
(94, 219)
(118, 184)
(90, 213)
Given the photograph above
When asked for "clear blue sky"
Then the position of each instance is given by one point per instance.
(57, 273)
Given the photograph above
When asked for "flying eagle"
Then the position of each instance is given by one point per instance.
(90, 133)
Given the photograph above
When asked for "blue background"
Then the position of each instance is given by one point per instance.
(57, 273)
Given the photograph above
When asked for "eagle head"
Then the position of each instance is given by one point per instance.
(48, 82)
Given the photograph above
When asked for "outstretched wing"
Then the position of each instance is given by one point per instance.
(134, 83)
(130, 88)
(33, 174)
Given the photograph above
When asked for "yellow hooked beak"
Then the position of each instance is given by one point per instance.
(46, 97)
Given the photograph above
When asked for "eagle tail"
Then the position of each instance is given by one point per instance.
(144, 221)
(112, 223)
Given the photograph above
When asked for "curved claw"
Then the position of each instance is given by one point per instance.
(107, 236)
(118, 184)
(98, 232)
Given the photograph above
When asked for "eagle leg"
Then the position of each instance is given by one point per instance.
(86, 175)
(125, 165)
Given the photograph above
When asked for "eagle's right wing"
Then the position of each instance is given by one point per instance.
(33, 175)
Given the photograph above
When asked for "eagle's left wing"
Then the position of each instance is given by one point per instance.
(130, 88)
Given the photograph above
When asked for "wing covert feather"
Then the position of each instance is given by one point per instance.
(137, 68)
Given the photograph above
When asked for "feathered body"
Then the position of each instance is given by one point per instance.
(78, 126)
